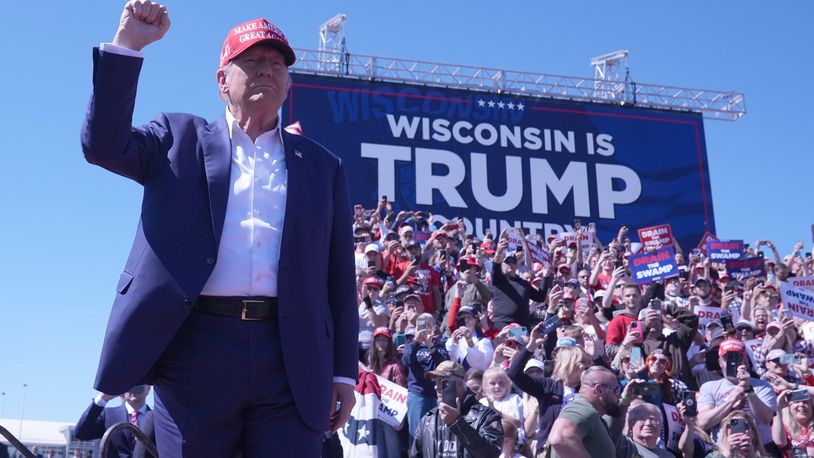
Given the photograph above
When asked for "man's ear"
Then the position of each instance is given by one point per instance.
(220, 75)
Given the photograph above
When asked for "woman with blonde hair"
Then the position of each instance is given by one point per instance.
(793, 429)
(738, 438)
(552, 393)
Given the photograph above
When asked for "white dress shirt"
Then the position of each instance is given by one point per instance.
(249, 250)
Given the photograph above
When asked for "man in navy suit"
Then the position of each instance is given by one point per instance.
(96, 419)
(242, 269)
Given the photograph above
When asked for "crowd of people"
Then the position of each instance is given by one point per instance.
(504, 355)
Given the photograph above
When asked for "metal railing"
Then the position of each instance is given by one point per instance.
(140, 436)
(711, 104)
(16, 443)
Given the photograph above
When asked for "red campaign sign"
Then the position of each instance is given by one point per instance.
(708, 236)
(656, 236)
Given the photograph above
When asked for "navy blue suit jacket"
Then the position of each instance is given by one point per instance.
(183, 162)
(95, 420)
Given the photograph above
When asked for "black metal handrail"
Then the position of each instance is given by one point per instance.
(16, 443)
(140, 436)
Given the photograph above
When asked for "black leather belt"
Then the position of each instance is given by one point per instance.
(264, 308)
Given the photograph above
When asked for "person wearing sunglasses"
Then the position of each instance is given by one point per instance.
(579, 430)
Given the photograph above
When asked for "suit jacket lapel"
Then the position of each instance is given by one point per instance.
(217, 154)
(295, 187)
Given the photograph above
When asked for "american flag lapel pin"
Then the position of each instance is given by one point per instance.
(298, 153)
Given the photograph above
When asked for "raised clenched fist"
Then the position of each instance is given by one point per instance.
(142, 22)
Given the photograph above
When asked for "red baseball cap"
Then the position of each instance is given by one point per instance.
(382, 331)
(731, 345)
(248, 34)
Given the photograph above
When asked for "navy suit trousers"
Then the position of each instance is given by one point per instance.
(221, 390)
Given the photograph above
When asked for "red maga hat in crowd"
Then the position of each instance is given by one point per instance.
(731, 345)
(248, 34)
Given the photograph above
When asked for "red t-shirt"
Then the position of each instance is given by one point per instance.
(617, 329)
(422, 282)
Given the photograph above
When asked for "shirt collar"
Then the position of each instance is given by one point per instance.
(234, 126)
(130, 409)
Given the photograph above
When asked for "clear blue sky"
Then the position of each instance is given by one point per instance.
(67, 226)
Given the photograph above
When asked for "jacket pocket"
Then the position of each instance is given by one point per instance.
(124, 282)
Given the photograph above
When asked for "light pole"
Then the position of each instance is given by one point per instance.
(2, 403)
(22, 414)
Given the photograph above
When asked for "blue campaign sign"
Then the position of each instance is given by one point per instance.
(656, 265)
(747, 267)
(504, 161)
(722, 250)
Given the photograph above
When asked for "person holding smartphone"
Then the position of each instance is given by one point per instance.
(421, 355)
(793, 427)
(737, 390)
(739, 438)
(460, 423)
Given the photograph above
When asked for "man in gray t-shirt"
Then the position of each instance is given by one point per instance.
(718, 398)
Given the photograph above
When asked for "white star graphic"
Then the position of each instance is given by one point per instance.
(491, 104)
(363, 432)
(501, 105)
(481, 103)
(510, 105)
(520, 106)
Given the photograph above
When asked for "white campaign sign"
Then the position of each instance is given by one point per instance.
(797, 302)
(802, 282)
(393, 407)
(707, 314)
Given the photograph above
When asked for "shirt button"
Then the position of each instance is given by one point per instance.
(210, 261)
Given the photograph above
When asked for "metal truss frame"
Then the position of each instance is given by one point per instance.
(711, 104)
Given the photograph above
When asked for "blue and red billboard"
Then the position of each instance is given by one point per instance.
(501, 160)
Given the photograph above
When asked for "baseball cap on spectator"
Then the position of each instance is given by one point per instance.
(775, 324)
(534, 363)
(572, 282)
(391, 236)
(373, 281)
(771, 287)
(466, 309)
(572, 246)
(409, 331)
(744, 324)
(563, 342)
(488, 247)
(447, 369)
(413, 295)
(438, 233)
(599, 295)
(362, 226)
(248, 34)
(403, 290)
(382, 331)
(701, 279)
(372, 247)
(405, 229)
(775, 354)
(731, 344)
(564, 268)
(511, 259)
(468, 262)
(716, 333)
